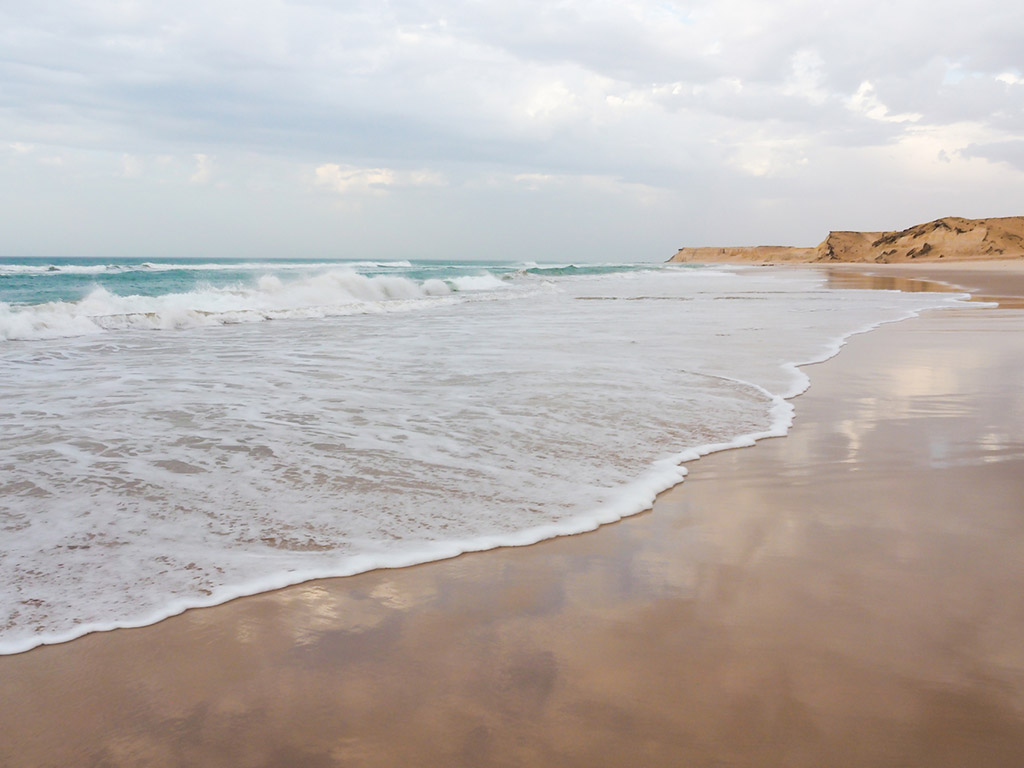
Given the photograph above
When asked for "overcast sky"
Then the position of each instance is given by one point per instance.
(557, 131)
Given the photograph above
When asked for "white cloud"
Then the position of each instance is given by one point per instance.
(131, 166)
(866, 102)
(549, 100)
(807, 78)
(533, 181)
(203, 169)
(609, 187)
(351, 180)
(762, 155)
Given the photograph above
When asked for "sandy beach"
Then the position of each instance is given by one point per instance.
(849, 595)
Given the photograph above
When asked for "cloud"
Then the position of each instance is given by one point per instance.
(807, 78)
(766, 156)
(131, 166)
(534, 181)
(866, 102)
(204, 167)
(350, 180)
(732, 102)
(443, 81)
(1010, 152)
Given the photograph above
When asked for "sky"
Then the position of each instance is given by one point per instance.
(551, 131)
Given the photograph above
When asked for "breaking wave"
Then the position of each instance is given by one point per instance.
(328, 294)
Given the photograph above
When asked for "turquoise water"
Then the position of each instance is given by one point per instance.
(25, 281)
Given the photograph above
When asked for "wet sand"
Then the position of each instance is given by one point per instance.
(847, 596)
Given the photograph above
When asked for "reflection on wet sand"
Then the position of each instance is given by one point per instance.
(988, 283)
(848, 595)
(843, 277)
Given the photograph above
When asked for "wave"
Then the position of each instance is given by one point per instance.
(63, 269)
(574, 270)
(331, 293)
(484, 282)
(224, 266)
(271, 265)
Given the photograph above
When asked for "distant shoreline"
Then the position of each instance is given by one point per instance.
(948, 239)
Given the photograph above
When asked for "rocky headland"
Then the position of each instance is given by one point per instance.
(951, 239)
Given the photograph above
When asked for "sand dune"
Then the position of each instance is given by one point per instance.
(951, 238)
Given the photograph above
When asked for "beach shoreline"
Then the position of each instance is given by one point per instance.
(766, 612)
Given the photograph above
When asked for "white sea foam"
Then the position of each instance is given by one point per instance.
(483, 282)
(144, 474)
(326, 294)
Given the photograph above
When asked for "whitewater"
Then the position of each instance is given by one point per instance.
(176, 434)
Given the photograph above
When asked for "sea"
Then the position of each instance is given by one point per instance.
(179, 433)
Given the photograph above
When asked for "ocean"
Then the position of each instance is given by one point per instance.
(176, 434)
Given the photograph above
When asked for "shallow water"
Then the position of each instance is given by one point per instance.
(167, 450)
